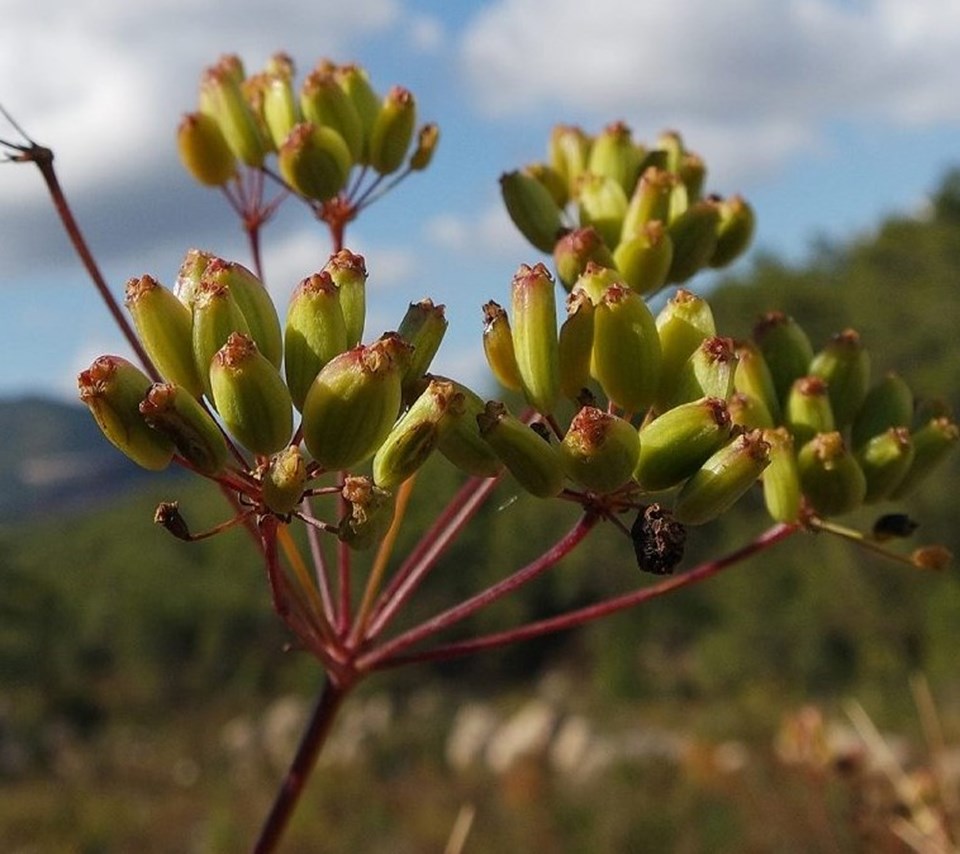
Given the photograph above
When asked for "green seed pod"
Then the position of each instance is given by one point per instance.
(533, 461)
(781, 480)
(575, 345)
(254, 90)
(831, 479)
(254, 302)
(722, 479)
(349, 273)
(614, 155)
(393, 131)
(569, 152)
(215, 316)
(708, 372)
(575, 250)
(176, 414)
(734, 231)
(282, 479)
(532, 209)
(749, 412)
(112, 389)
(694, 236)
(354, 81)
(753, 378)
(164, 325)
(670, 143)
(281, 110)
(675, 444)
(203, 151)
(931, 444)
(189, 276)
(644, 259)
(325, 104)
(414, 437)
(461, 443)
(353, 403)
(888, 404)
(808, 411)
(649, 202)
(428, 137)
(551, 179)
(535, 342)
(498, 346)
(693, 173)
(844, 364)
(423, 328)
(251, 396)
(315, 161)
(885, 460)
(371, 513)
(786, 349)
(599, 451)
(280, 63)
(626, 349)
(315, 333)
(682, 324)
(595, 280)
(222, 97)
(602, 204)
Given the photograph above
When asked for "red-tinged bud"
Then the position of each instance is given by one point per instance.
(535, 342)
(370, 515)
(112, 388)
(423, 328)
(749, 412)
(682, 324)
(786, 349)
(649, 202)
(532, 209)
(781, 479)
(281, 109)
(349, 273)
(694, 236)
(614, 155)
(753, 378)
(250, 396)
(315, 333)
(808, 411)
(354, 81)
(392, 131)
(163, 324)
(315, 161)
(171, 410)
(282, 480)
(595, 280)
(844, 364)
(575, 345)
(734, 231)
(203, 150)
(888, 404)
(215, 316)
(675, 444)
(885, 460)
(498, 346)
(569, 151)
(931, 444)
(428, 137)
(602, 204)
(626, 349)
(575, 250)
(353, 403)
(223, 98)
(831, 479)
(531, 459)
(189, 276)
(599, 451)
(644, 259)
(325, 104)
(708, 372)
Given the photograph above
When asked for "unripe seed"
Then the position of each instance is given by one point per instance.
(614, 155)
(569, 151)
(888, 404)
(845, 366)
(392, 131)
(781, 479)
(348, 271)
(753, 378)
(215, 316)
(203, 150)
(644, 260)
(189, 276)
(682, 325)
(575, 344)
(354, 81)
(423, 328)
(599, 451)
(315, 161)
(428, 137)
(831, 479)
(786, 349)
(808, 411)
(174, 412)
(534, 332)
(694, 236)
(885, 460)
(649, 202)
(281, 110)
(708, 372)
(534, 462)
(931, 444)
(734, 231)
(602, 204)
(498, 346)
(461, 442)
(222, 97)
(282, 479)
(575, 250)
(371, 512)
(325, 104)
(532, 209)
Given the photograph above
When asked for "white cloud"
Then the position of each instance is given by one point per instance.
(487, 233)
(426, 33)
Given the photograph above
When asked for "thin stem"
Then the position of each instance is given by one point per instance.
(343, 570)
(306, 582)
(328, 703)
(319, 561)
(581, 616)
(450, 617)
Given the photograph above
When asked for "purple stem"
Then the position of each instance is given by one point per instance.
(319, 562)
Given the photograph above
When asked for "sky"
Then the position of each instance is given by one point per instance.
(828, 115)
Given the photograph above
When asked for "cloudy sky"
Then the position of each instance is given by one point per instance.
(826, 114)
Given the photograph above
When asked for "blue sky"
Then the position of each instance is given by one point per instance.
(826, 114)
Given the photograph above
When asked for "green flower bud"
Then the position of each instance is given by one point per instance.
(599, 451)
(614, 155)
(885, 460)
(734, 231)
(315, 333)
(807, 411)
(693, 172)
(644, 259)
(722, 479)
(325, 104)
(112, 389)
(781, 479)
(682, 324)
(831, 479)
(786, 349)
(749, 412)
(931, 444)
(498, 346)
(189, 276)
(222, 97)
(575, 250)
(534, 331)
(569, 152)
(254, 302)
(349, 273)
(461, 442)
(677, 443)
(282, 479)
(602, 203)
(414, 437)
(533, 461)
(694, 236)
(371, 513)
(354, 402)
(428, 137)
(315, 161)
(164, 325)
(215, 316)
(354, 81)
(575, 344)
(203, 150)
(753, 378)
(281, 110)
(844, 364)
(423, 328)
(626, 349)
(708, 372)
(176, 414)
(251, 396)
(595, 280)
(649, 202)
(888, 404)
(532, 209)
(392, 131)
